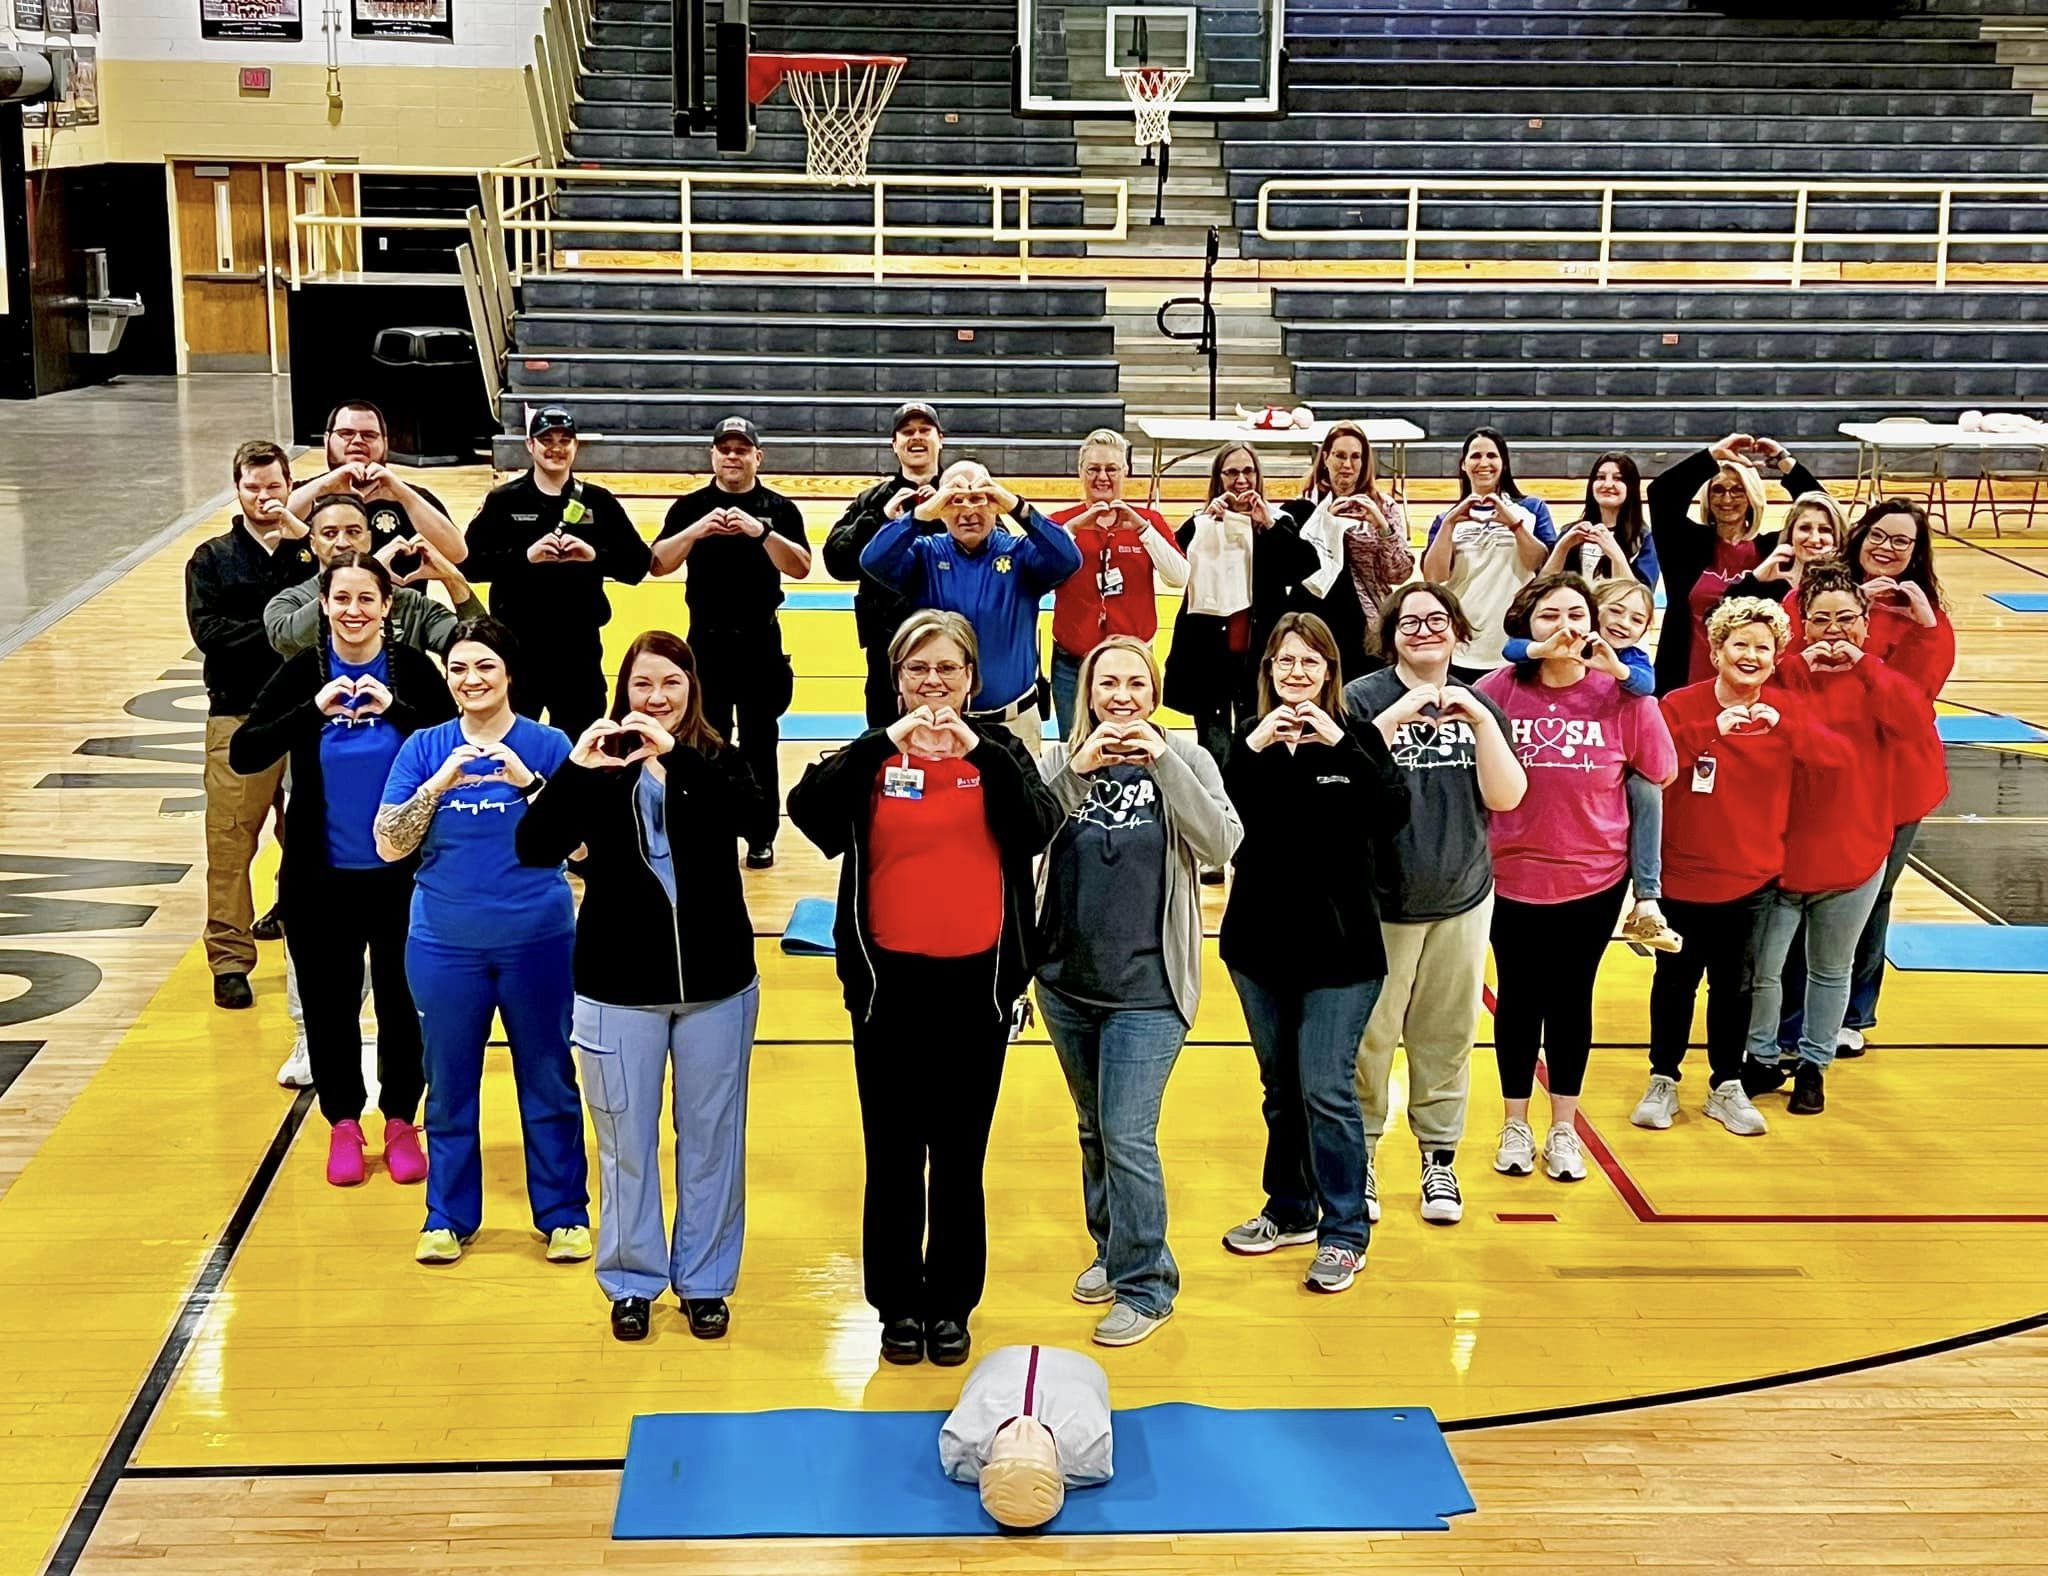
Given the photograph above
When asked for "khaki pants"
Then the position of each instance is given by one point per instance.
(1430, 1002)
(236, 807)
(1028, 726)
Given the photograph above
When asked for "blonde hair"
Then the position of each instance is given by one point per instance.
(1620, 588)
(1735, 612)
(1107, 438)
(1823, 501)
(1085, 719)
(1752, 486)
(930, 624)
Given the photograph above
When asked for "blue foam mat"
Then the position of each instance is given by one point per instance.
(809, 931)
(1969, 949)
(1986, 730)
(2021, 601)
(1179, 1468)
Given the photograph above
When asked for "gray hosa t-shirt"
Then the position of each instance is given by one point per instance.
(1105, 896)
(1439, 864)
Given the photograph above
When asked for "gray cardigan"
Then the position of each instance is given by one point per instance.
(292, 618)
(1202, 828)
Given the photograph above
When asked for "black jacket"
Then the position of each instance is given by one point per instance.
(634, 948)
(878, 610)
(834, 804)
(1301, 914)
(283, 722)
(1685, 551)
(552, 605)
(1202, 672)
(229, 581)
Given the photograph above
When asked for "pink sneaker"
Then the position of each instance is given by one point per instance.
(403, 1157)
(345, 1154)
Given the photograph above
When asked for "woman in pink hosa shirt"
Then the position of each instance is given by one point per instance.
(1560, 857)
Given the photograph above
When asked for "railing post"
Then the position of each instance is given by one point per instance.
(1606, 232)
(1024, 232)
(291, 219)
(1798, 236)
(1414, 212)
(1941, 240)
(880, 209)
(684, 223)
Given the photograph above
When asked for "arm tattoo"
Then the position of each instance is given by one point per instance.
(404, 826)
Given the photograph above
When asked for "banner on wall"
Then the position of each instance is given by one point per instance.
(64, 113)
(59, 16)
(85, 85)
(88, 17)
(432, 20)
(268, 19)
(28, 16)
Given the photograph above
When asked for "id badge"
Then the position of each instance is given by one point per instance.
(1110, 582)
(902, 782)
(1703, 771)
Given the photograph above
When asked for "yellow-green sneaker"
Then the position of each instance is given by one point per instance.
(438, 1247)
(569, 1244)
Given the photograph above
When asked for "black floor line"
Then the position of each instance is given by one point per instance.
(121, 1451)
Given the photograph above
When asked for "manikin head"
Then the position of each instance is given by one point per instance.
(1022, 1486)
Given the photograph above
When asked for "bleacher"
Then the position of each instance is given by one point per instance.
(651, 362)
(1650, 89)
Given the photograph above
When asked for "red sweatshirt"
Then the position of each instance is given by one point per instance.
(1082, 617)
(1723, 842)
(1925, 655)
(1843, 816)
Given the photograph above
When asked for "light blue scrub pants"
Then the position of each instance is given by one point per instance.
(626, 1053)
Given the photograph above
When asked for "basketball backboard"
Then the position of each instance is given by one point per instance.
(1069, 55)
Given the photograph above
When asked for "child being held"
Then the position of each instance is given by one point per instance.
(1624, 610)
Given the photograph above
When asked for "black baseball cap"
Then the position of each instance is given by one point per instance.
(736, 427)
(915, 410)
(551, 418)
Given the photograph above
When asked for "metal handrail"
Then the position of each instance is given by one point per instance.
(519, 203)
(1941, 194)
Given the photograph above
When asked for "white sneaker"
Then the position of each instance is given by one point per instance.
(1659, 1104)
(1092, 1285)
(1442, 1203)
(1516, 1156)
(297, 1071)
(1730, 1105)
(1562, 1156)
(1849, 1043)
(1372, 1190)
(1335, 1268)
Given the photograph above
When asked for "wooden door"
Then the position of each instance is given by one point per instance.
(231, 222)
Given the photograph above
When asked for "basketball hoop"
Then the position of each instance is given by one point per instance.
(840, 98)
(1152, 90)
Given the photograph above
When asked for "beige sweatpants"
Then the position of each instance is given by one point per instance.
(1430, 1002)
(236, 808)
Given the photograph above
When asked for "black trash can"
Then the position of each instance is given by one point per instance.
(429, 384)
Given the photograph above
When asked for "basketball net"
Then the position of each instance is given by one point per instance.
(1152, 90)
(840, 107)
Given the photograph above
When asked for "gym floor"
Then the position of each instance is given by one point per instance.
(1816, 1348)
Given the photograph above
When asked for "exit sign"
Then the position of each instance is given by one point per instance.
(254, 79)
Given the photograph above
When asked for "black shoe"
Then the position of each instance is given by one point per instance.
(760, 856)
(946, 1342)
(709, 1317)
(1757, 1078)
(629, 1319)
(232, 991)
(1809, 1096)
(270, 927)
(902, 1341)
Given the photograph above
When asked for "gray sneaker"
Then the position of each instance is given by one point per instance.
(1124, 1325)
(1730, 1105)
(1659, 1104)
(1092, 1285)
(1335, 1268)
(1260, 1235)
(1372, 1190)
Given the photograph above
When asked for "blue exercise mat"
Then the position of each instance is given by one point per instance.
(1966, 729)
(1969, 949)
(1179, 1468)
(2021, 601)
(809, 931)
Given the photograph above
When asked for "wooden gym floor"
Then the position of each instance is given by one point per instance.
(1824, 1347)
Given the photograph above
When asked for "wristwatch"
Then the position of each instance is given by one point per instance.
(539, 782)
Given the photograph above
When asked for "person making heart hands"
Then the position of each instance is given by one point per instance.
(1301, 937)
(938, 821)
(489, 935)
(1120, 960)
(341, 710)
(339, 521)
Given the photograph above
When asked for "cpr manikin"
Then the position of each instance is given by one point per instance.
(1032, 1422)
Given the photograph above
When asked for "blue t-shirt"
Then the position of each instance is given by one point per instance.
(472, 890)
(650, 801)
(355, 761)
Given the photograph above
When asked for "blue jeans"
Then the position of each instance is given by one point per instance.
(1307, 1045)
(528, 985)
(1117, 1064)
(1066, 686)
(1645, 837)
(1866, 974)
(1833, 921)
(626, 1053)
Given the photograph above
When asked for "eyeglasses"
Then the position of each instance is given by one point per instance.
(1415, 624)
(1243, 474)
(949, 671)
(1832, 620)
(1885, 539)
(351, 434)
(1293, 664)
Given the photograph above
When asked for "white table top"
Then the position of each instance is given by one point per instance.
(1175, 429)
(1933, 435)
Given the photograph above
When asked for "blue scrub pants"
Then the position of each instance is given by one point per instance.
(528, 984)
(626, 1053)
